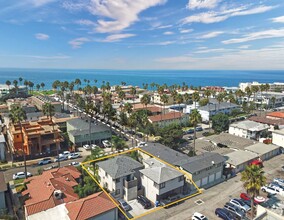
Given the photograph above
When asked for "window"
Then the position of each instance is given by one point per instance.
(117, 192)
(180, 178)
(162, 185)
(117, 180)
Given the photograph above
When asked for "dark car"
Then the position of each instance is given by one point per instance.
(190, 131)
(170, 201)
(190, 138)
(199, 129)
(144, 202)
(224, 214)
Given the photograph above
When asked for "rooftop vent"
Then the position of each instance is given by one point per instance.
(58, 194)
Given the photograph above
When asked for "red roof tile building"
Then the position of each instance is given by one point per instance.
(168, 118)
(52, 188)
(97, 205)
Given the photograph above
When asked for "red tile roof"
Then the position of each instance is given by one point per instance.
(41, 189)
(268, 121)
(276, 114)
(165, 117)
(90, 206)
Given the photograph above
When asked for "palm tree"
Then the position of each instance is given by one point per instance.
(55, 84)
(42, 85)
(90, 110)
(262, 88)
(133, 122)
(179, 101)
(195, 97)
(253, 178)
(220, 98)
(133, 92)
(194, 119)
(78, 83)
(254, 90)
(31, 85)
(37, 87)
(273, 100)
(186, 97)
(164, 100)
(145, 100)
(207, 93)
(15, 83)
(20, 80)
(17, 115)
(248, 92)
(8, 83)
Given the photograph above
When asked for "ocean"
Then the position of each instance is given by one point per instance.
(138, 77)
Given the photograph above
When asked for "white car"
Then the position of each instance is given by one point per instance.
(279, 181)
(66, 153)
(240, 204)
(198, 216)
(87, 147)
(269, 190)
(21, 175)
(276, 186)
(141, 144)
(73, 155)
(106, 143)
(94, 146)
(75, 164)
(61, 157)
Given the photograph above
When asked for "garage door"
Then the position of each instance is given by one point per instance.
(218, 175)
(197, 183)
(204, 181)
(211, 178)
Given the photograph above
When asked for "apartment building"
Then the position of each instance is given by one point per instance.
(39, 102)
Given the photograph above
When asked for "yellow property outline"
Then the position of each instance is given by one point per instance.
(157, 158)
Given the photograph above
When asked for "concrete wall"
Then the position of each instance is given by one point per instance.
(278, 139)
(2, 151)
(2, 200)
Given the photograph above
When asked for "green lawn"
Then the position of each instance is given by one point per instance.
(18, 181)
(45, 92)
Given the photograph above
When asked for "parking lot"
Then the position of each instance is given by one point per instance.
(217, 196)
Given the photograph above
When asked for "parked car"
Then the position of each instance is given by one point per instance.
(21, 175)
(269, 190)
(198, 216)
(199, 129)
(144, 202)
(257, 163)
(190, 138)
(87, 147)
(45, 161)
(224, 214)
(141, 144)
(66, 153)
(94, 146)
(240, 204)
(279, 181)
(124, 204)
(189, 131)
(60, 158)
(246, 197)
(73, 155)
(170, 200)
(75, 164)
(235, 210)
(106, 143)
(276, 186)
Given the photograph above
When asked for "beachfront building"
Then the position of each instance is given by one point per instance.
(248, 129)
(160, 181)
(39, 102)
(78, 132)
(213, 108)
(39, 137)
(273, 86)
(5, 90)
(120, 175)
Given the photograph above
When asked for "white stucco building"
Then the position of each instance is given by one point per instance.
(120, 176)
(160, 181)
(278, 137)
(248, 129)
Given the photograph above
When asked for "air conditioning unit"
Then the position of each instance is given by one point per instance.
(58, 194)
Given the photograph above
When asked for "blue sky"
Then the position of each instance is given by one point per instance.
(142, 34)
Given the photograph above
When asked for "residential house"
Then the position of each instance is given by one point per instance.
(2, 147)
(26, 104)
(120, 175)
(52, 188)
(201, 168)
(206, 169)
(3, 189)
(238, 160)
(273, 86)
(39, 137)
(278, 137)
(168, 118)
(160, 181)
(78, 132)
(213, 108)
(5, 90)
(264, 151)
(156, 98)
(248, 129)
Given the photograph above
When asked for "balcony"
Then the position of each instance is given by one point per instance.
(130, 183)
